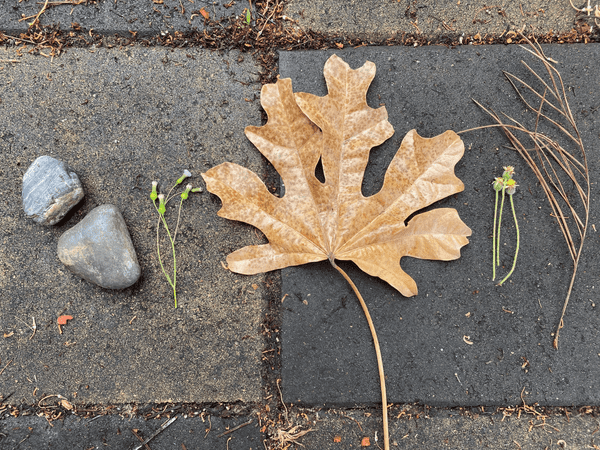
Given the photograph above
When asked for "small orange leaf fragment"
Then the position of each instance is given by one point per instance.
(337, 439)
(339, 45)
(204, 13)
(62, 320)
(366, 442)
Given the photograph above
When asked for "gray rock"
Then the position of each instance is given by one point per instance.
(99, 249)
(50, 190)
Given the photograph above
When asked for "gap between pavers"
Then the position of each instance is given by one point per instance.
(121, 119)
(327, 351)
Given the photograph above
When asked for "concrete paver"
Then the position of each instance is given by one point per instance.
(122, 119)
(328, 356)
(437, 429)
(115, 432)
(374, 19)
(108, 17)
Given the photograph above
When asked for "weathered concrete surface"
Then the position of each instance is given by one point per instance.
(120, 119)
(109, 17)
(373, 19)
(327, 351)
(115, 432)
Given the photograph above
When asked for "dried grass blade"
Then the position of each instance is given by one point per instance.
(555, 123)
(517, 144)
(511, 76)
(548, 150)
(558, 186)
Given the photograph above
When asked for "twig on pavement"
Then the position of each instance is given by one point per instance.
(157, 432)
(241, 425)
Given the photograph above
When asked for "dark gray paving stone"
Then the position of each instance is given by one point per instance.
(123, 119)
(374, 18)
(433, 429)
(110, 17)
(99, 249)
(115, 432)
(327, 352)
(50, 190)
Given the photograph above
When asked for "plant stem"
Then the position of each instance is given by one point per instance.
(517, 250)
(499, 223)
(178, 217)
(386, 434)
(174, 283)
(494, 240)
(158, 252)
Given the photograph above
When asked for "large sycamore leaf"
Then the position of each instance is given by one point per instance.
(316, 221)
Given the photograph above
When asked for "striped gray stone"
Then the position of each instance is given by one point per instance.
(50, 190)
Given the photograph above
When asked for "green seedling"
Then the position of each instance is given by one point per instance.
(161, 210)
(498, 186)
(507, 185)
(510, 188)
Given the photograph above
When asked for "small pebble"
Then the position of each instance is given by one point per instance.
(50, 190)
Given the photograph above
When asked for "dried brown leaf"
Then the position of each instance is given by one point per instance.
(316, 221)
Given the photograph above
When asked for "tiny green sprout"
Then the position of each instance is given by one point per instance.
(498, 185)
(161, 209)
(248, 16)
(511, 188)
(507, 185)
(153, 194)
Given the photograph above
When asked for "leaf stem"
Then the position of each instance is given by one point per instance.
(517, 250)
(386, 434)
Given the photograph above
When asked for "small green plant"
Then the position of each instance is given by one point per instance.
(507, 185)
(161, 210)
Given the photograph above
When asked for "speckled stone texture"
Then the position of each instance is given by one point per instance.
(50, 190)
(99, 249)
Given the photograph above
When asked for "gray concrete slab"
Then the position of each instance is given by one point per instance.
(108, 17)
(121, 119)
(327, 352)
(373, 19)
(115, 432)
